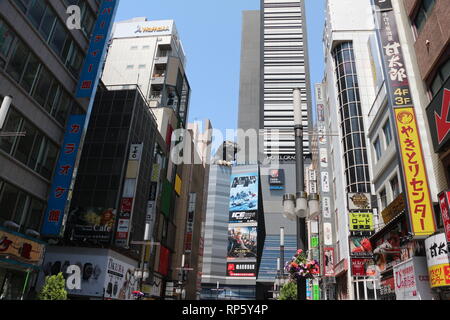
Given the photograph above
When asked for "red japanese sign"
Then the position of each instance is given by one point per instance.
(20, 248)
(444, 205)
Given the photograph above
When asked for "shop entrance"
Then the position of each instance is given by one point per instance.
(11, 284)
(365, 288)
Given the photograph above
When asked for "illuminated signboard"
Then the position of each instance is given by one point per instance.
(420, 207)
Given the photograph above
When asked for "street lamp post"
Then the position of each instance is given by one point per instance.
(296, 207)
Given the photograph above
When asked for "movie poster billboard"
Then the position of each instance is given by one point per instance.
(244, 192)
(242, 241)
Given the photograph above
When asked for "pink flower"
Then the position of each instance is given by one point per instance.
(299, 251)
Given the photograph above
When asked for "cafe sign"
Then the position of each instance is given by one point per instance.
(21, 249)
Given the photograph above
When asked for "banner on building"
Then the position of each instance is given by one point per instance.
(325, 182)
(411, 280)
(125, 214)
(24, 250)
(244, 192)
(276, 179)
(327, 234)
(444, 205)
(359, 201)
(328, 262)
(241, 269)
(326, 211)
(363, 267)
(420, 206)
(438, 113)
(361, 221)
(360, 247)
(93, 62)
(242, 241)
(94, 223)
(54, 214)
(438, 260)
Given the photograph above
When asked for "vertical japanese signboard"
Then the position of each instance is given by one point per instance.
(420, 206)
(63, 177)
(415, 182)
(444, 205)
(97, 49)
(438, 260)
(128, 195)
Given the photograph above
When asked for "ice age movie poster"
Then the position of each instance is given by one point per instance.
(244, 192)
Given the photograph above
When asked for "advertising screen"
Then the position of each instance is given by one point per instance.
(92, 223)
(241, 269)
(244, 192)
(242, 241)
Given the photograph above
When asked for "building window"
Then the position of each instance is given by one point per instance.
(387, 133)
(383, 199)
(130, 66)
(395, 187)
(352, 125)
(423, 13)
(34, 149)
(377, 147)
(20, 207)
(134, 48)
(442, 75)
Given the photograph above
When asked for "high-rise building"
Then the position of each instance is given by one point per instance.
(274, 61)
(41, 61)
(284, 57)
(369, 90)
(150, 54)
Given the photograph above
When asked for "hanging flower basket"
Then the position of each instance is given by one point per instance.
(301, 267)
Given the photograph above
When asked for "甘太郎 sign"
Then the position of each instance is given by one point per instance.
(420, 207)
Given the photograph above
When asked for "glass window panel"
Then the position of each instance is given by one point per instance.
(358, 156)
(41, 89)
(18, 61)
(34, 216)
(47, 23)
(30, 74)
(36, 151)
(21, 207)
(445, 71)
(8, 199)
(419, 21)
(428, 5)
(58, 37)
(12, 124)
(50, 160)
(54, 94)
(387, 133)
(7, 37)
(357, 140)
(25, 144)
(355, 125)
(63, 107)
(36, 12)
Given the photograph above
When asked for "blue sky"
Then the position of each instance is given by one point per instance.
(211, 34)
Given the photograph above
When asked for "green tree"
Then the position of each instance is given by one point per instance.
(54, 288)
(288, 291)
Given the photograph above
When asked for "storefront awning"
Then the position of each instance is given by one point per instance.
(387, 227)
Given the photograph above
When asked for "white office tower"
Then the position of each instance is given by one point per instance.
(285, 68)
(149, 54)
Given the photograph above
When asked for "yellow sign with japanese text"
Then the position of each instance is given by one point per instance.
(361, 221)
(178, 185)
(439, 275)
(420, 207)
